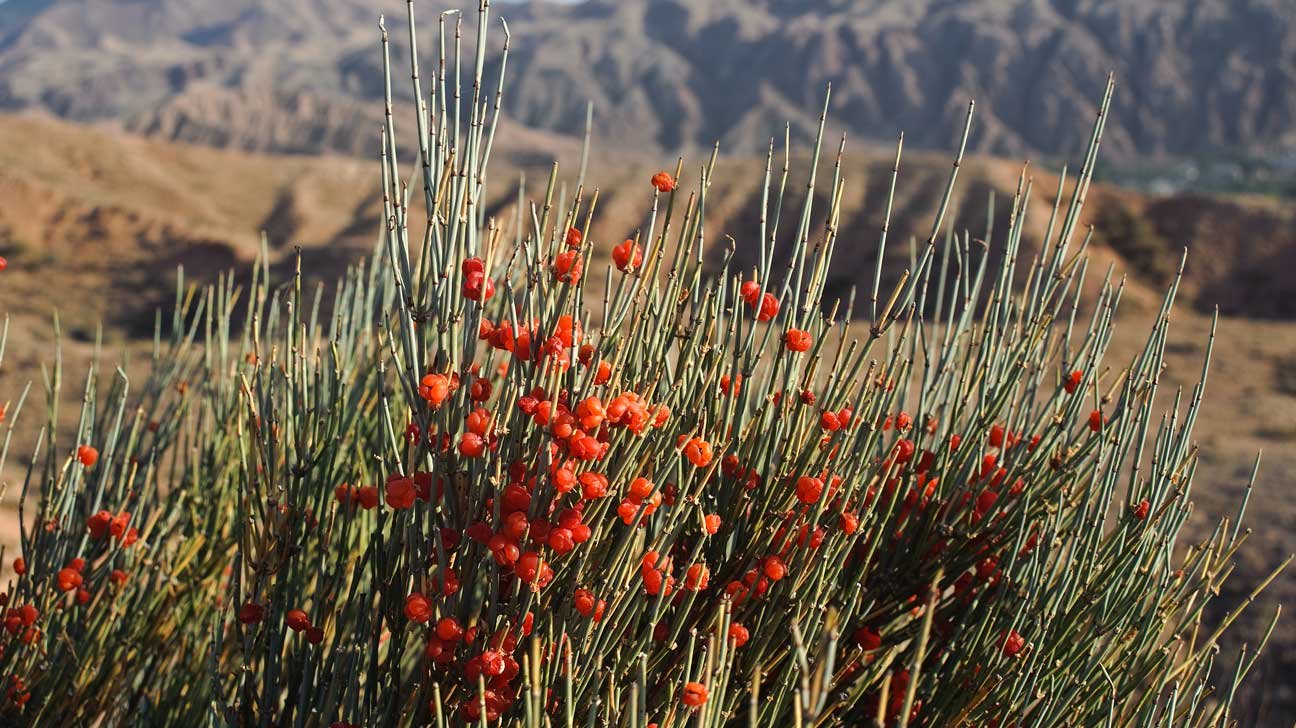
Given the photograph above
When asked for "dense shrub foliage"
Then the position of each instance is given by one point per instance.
(506, 474)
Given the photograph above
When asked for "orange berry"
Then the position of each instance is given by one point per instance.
(797, 340)
(418, 608)
(809, 489)
(711, 524)
(694, 695)
(738, 635)
(627, 256)
(698, 452)
(69, 579)
(448, 629)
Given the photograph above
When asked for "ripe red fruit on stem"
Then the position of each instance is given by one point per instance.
(809, 489)
(1013, 643)
(251, 613)
(663, 181)
(997, 436)
(1073, 381)
(627, 256)
(69, 579)
(401, 493)
(1142, 509)
(797, 340)
(694, 694)
(87, 455)
(297, 620)
(418, 608)
(711, 524)
(449, 629)
(567, 266)
(867, 638)
(698, 452)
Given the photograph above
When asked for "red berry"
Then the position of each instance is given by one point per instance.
(1142, 509)
(448, 629)
(694, 695)
(698, 452)
(401, 493)
(996, 436)
(867, 638)
(697, 577)
(297, 620)
(69, 579)
(567, 266)
(251, 613)
(471, 445)
(1013, 643)
(849, 523)
(711, 524)
(418, 608)
(809, 489)
(797, 340)
(1073, 381)
(627, 256)
(738, 635)
(774, 568)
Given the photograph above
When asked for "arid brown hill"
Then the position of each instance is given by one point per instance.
(112, 214)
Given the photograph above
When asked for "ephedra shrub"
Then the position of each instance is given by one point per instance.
(506, 474)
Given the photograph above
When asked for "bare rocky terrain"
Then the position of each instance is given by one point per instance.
(1196, 76)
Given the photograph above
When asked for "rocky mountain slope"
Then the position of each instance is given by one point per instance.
(301, 75)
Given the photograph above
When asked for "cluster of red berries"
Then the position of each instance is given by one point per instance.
(22, 619)
(477, 286)
(765, 304)
(16, 692)
(104, 524)
(296, 619)
(492, 660)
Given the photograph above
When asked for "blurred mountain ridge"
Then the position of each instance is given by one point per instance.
(301, 76)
